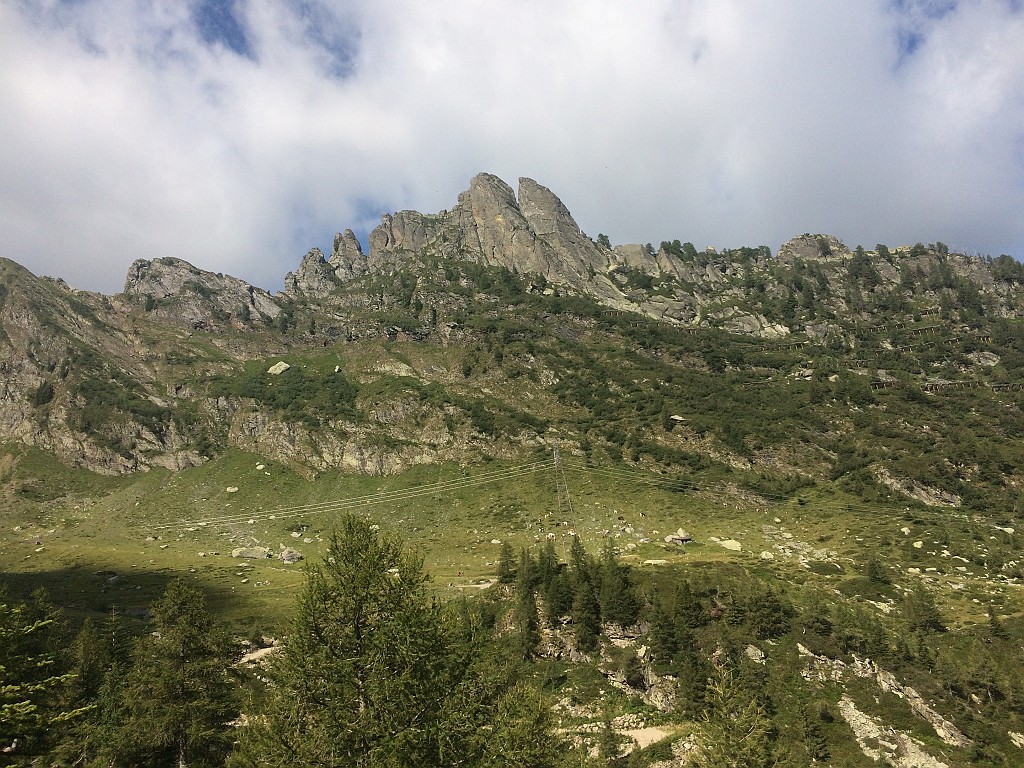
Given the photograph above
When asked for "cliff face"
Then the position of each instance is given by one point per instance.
(534, 234)
(531, 232)
(174, 290)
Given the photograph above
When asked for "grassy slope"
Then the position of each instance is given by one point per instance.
(808, 498)
(99, 530)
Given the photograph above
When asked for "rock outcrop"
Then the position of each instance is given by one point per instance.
(314, 278)
(531, 232)
(812, 248)
(132, 359)
(347, 257)
(175, 290)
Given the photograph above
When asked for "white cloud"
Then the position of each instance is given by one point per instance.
(722, 122)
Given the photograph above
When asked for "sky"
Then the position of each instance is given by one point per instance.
(238, 134)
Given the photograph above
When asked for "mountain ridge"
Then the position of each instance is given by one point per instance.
(469, 321)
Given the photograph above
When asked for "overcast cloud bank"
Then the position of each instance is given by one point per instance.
(237, 135)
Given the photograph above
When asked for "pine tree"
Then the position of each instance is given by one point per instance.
(995, 624)
(814, 739)
(768, 613)
(524, 618)
(580, 563)
(355, 685)
(527, 571)
(687, 609)
(375, 673)
(506, 564)
(90, 659)
(547, 565)
(921, 612)
(692, 671)
(662, 633)
(30, 677)
(558, 598)
(607, 739)
(618, 600)
(737, 731)
(523, 733)
(586, 617)
(876, 572)
(178, 696)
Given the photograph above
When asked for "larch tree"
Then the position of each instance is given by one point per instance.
(31, 680)
(375, 673)
(175, 704)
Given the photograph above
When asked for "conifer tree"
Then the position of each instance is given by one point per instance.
(995, 624)
(527, 571)
(90, 660)
(692, 671)
(506, 564)
(580, 563)
(618, 600)
(607, 739)
(178, 697)
(375, 674)
(662, 634)
(688, 611)
(547, 565)
(586, 617)
(558, 598)
(921, 612)
(524, 618)
(814, 739)
(523, 733)
(90, 657)
(768, 613)
(355, 685)
(30, 677)
(737, 732)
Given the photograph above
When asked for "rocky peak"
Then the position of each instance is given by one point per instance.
(401, 231)
(314, 277)
(489, 216)
(577, 255)
(812, 248)
(159, 278)
(534, 234)
(175, 289)
(547, 215)
(347, 258)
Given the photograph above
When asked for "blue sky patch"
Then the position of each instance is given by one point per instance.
(218, 24)
(929, 9)
(336, 39)
(907, 42)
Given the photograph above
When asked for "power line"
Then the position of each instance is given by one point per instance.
(339, 505)
(557, 464)
(561, 486)
(669, 483)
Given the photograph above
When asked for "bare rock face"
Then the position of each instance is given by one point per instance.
(175, 290)
(402, 232)
(494, 226)
(574, 252)
(812, 248)
(313, 278)
(534, 234)
(55, 343)
(347, 258)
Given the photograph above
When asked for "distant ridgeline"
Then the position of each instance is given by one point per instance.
(499, 328)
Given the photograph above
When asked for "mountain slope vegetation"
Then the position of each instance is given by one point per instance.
(836, 432)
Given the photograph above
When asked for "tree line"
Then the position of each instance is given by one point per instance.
(376, 671)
